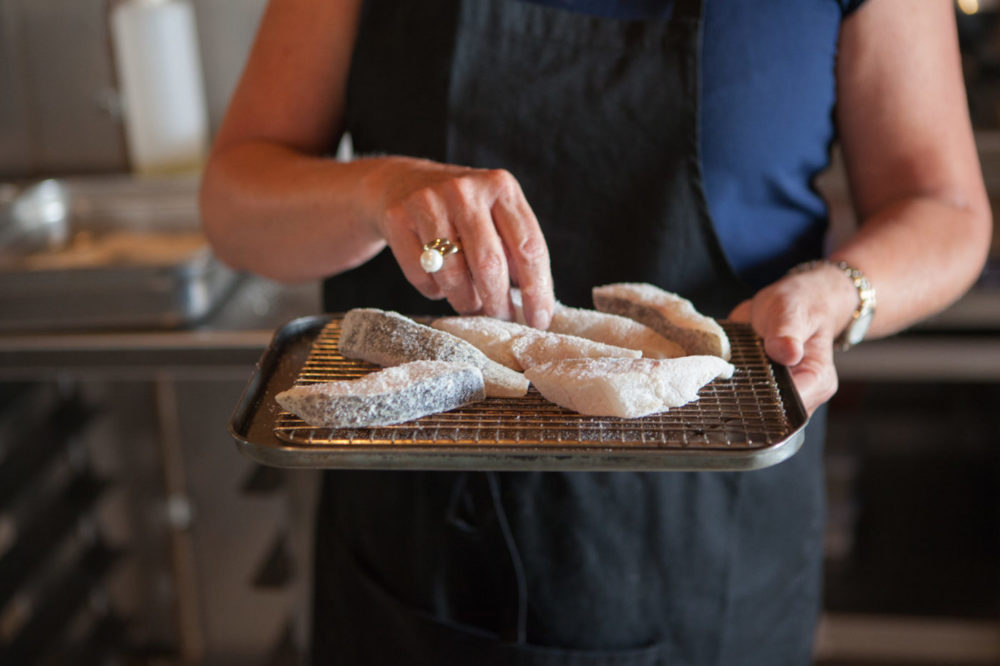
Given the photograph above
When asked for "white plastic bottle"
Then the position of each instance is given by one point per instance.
(160, 76)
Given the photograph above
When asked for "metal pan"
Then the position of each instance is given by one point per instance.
(752, 421)
(107, 252)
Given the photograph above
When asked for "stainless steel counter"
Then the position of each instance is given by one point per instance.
(229, 341)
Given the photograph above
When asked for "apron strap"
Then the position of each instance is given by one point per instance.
(688, 9)
(521, 634)
(468, 515)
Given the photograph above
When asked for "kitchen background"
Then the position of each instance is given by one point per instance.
(133, 532)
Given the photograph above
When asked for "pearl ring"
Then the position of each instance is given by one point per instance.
(432, 258)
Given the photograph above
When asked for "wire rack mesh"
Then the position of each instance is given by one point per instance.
(745, 412)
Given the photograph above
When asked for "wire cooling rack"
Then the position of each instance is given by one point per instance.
(748, 413)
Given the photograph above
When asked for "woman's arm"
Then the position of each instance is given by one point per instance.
(271, 201)
(914, 173)
(911, 160)
(274, 203)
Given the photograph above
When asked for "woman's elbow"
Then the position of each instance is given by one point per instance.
(980, 229)
(217, 210)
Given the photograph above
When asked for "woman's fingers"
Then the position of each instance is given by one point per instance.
(786, 325)
(806, 348)
(470, 200)
(421, 218)
(526, 249)
(797, 320)
(407, 247)
(815, 375)
(484, 212)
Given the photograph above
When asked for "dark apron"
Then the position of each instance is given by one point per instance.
(597, 119)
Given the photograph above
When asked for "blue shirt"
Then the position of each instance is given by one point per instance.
(767, 101)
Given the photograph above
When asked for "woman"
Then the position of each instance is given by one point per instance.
(566, 144)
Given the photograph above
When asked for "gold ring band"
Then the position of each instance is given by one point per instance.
(443, 245)
(432, 258)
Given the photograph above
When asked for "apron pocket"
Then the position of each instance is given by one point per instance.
(383, 629)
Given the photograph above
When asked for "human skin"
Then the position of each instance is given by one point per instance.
(275, 204)
(917, 189)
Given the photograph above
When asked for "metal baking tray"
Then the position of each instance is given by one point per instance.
(751, 421)
(107, 252)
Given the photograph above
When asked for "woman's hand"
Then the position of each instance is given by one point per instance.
(414, 201)
(274, 204)
(798, 318)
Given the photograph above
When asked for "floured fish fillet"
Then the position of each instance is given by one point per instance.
(668, 314)
(391, 395)
(389, 338)
(626, 388)
(540, 347)
(519, 346)
(612, 329)
(487, 334)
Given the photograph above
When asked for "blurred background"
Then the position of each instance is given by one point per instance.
(133, 532)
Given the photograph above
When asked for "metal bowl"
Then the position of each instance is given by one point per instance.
(36, 219)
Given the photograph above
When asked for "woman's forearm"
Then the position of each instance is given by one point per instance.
(290, 216)
(286, 215)
(920, 254)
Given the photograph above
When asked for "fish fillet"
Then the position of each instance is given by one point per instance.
(542, 347)
(668, 314)
(626, 388)
(391, 395)
(388, 338)
(612, 329)
(487, 334)
(519, 346)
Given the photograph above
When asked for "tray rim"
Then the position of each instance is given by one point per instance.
(506, 457)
